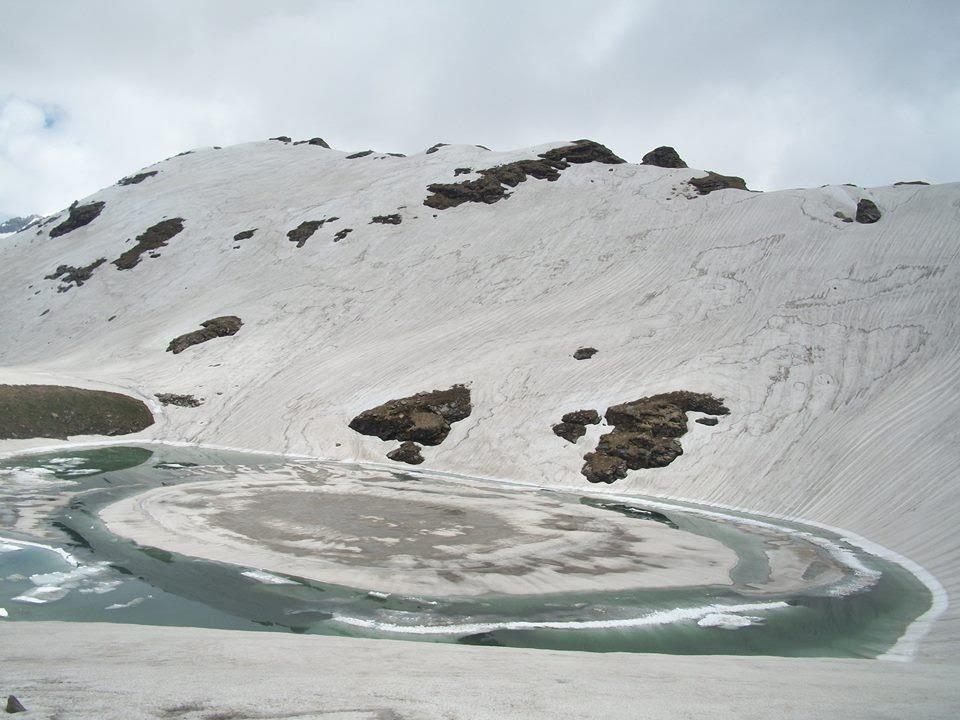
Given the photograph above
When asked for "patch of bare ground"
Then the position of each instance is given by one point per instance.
(54, 411)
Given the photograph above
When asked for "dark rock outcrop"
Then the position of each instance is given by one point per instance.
(136, 179)
(582, 417)
(580, 152)
(573, 425)
(408, 452)
(645, 433)
(714, 181)
(14, 705)
(78, 216)
(598, 467)
(665, 157)
(386, 219)
(342, 234)
(434, 148)
(867, 211)
(362, 153)
(178, 400)
(571, 432)
(461, 171)
(153, 238)
(319, 142)
(840, 216)
(69, 275)
(281, 138)
(707, 421)
(422, 418)
(217, 327)
(489, 187)
(584, 353)
(54, 411)
(911, 182)
(302, 232)
(245, 235)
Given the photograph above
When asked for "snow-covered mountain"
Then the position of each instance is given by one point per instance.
(16, 224)
(831, 335)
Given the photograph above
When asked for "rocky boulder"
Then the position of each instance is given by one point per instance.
(573, 425)
(178, 400)
(214, 328)
(867, 212)
(663, 156)
(714, 181)
(422, 418)
(408, 452)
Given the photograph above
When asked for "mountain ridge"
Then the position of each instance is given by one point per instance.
(833, 342)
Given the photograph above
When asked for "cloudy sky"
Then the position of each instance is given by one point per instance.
(785, 94)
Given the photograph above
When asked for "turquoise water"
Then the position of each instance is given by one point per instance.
(115, 580)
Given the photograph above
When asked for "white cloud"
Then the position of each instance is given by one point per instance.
(784, 95)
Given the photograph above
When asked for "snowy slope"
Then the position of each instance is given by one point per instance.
(835, 344)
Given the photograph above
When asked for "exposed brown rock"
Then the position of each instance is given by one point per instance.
(153, 238)
(245, 235)
(137, 179)
(408, 452)
(583, 151)
(665, 157)
(69, 275)
(645, 433)
(571, 432)
(714, 181)
(179, 400)
(319, 142)
(14, 705)
(342, 234)
(603, 468)
(302, 232)
(362, 153)
(461, 171)
(582, 417)
(424, 418)
(584, 353)
(217, 327)
(489, 187)
(53, 411)
(386, 219)
(707, 421)
(867, 211)
(78, 216)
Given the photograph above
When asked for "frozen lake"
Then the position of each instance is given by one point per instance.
(163, 535)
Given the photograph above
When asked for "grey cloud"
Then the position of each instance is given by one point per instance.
(784, 94)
